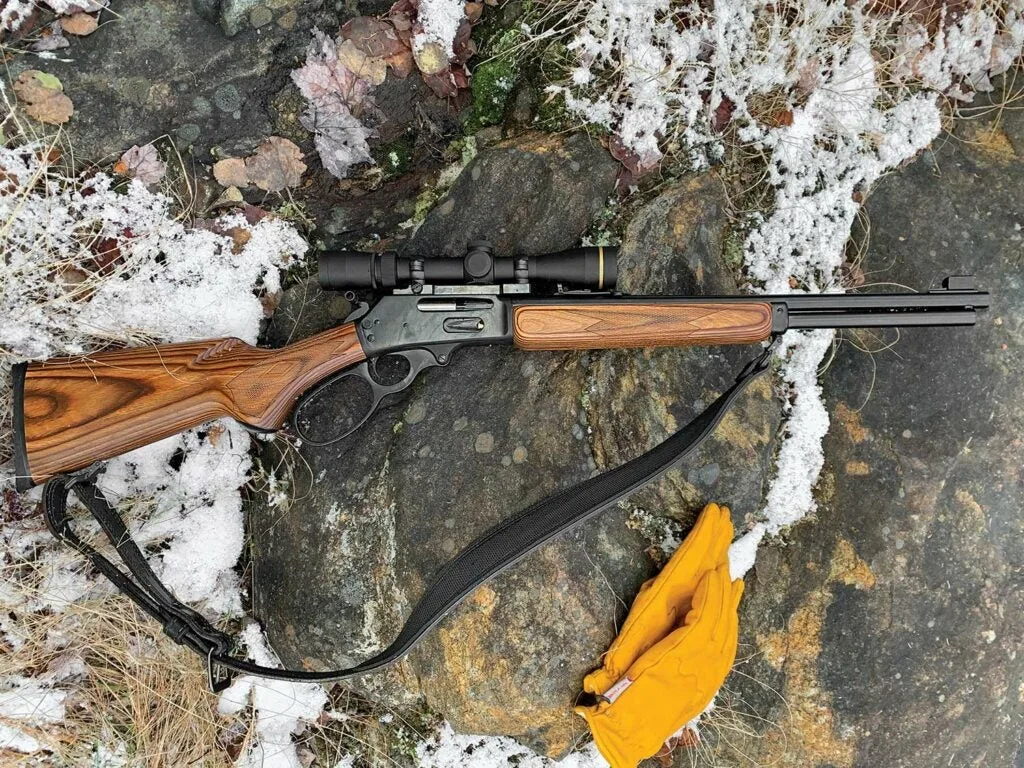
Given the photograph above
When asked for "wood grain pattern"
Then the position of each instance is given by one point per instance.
(81, 410)
(611, 325)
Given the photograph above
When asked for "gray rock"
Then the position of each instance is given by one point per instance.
(374, 518)
(234, 15)
(160, 69)
(532, 194)
(892, 625)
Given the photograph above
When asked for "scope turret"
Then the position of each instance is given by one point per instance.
(578, 267)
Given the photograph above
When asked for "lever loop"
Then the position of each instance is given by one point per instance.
(418, 359)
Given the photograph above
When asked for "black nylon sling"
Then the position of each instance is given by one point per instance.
(497, 549)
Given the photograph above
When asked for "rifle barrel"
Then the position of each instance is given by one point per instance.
(954, 304)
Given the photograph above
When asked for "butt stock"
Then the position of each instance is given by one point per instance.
(71, 412)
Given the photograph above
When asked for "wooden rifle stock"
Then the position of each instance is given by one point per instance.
(639, 324)
(71, 412)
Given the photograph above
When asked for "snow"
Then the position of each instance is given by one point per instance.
(32, 703)
(172, 282)
(281, 708)
(657, 79)
(440, 20)
(17, 741)
(452, 750)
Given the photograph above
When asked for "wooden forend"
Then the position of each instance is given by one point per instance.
(635, 324)
(81, 410)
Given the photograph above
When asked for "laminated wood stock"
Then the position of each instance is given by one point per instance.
(81, 410)
(611, 325)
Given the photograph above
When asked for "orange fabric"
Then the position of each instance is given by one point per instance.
(662, 672)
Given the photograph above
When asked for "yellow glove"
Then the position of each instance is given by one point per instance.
(676, 673)
(664, 600)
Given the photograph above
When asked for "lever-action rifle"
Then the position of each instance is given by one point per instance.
(72, 412)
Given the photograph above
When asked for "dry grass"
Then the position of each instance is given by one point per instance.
(138, 688)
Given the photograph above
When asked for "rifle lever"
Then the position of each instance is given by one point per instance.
(367, 373)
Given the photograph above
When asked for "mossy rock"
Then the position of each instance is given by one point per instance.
(494, 80)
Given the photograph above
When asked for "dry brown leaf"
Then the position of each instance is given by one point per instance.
(229, 198)
(431, 58)
(371, 69)
(142, 163)
(270, 302)
(374, 37)
(276, 164)
(722, 115)
(239, 237)
(402, 64)
(231, 172)
(80, 24)
(323, 74)
(253, 213)
(44, 97)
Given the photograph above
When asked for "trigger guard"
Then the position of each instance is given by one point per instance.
(418, 359)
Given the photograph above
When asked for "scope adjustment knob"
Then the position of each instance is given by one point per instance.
(479, 264)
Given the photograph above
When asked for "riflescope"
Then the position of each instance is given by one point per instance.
(593, 268)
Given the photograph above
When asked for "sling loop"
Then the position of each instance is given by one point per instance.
(497, 549)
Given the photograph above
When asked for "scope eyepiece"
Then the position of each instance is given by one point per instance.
(594, 268)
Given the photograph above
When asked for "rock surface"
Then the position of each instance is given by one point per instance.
(157, 68)
(892, 624)
(472, 443)
(530, 195)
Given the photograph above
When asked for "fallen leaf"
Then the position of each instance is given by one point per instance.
(214, 433)
(142, 163)
(443, 84)
(780, 118)
(253, 213)
(276, 164)
(51, 39)
(374, 37)
(80, 24)
(722, 114)
(239, 237)
(106, 253)
(44, 97)
(402, 64)
(229, 198)
(430, 58)
(13, 508)
(231, 172)
(474, 11)
(323, 74)
(270, 303)
(340, 138)
(371, 69)
(463, 45)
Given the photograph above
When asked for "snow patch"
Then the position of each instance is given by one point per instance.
(440, 20)
(169, 282)
(452, 750)
(281, 708)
